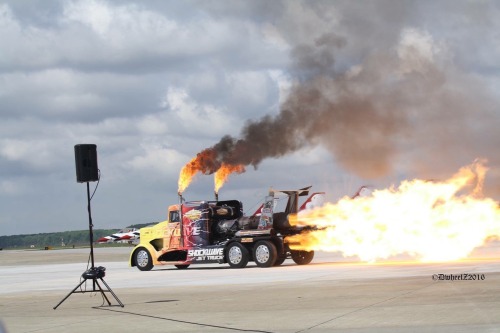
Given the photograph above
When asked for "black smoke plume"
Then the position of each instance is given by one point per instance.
(408, 105)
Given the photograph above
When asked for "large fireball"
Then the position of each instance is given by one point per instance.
(429, 220)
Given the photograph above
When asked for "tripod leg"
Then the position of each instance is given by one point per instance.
(112, 293)
(72, 291)
(102, 291)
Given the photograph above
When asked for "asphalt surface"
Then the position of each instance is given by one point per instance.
(332, 294)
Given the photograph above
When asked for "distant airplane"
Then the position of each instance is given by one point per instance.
(127, 234)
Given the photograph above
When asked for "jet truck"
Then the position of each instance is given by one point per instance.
(202, 232)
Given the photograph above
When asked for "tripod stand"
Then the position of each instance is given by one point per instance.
(93, 273)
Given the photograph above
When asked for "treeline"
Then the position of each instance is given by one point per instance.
(57, 239)
(66, 238)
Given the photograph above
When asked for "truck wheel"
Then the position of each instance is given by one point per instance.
(302, 257)
(237, 255)
(143, 259)
(182, 266)
(265, 254)
(279, 261)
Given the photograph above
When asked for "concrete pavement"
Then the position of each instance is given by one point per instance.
(331, 294)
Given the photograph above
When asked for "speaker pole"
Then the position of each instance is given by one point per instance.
(91, 230)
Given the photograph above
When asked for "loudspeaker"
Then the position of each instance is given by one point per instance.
(86, 163)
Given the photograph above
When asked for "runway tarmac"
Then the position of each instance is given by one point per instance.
(333, 294)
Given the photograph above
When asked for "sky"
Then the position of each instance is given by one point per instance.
(334, 94)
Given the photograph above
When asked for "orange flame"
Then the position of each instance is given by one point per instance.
(221, 175)
(186, 175)
(431, 221)
(204, 162)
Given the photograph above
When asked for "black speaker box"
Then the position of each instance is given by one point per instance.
(86, 163)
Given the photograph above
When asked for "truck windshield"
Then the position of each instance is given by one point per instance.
(173, 216)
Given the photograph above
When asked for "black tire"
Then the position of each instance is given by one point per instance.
(279, 261)
(237, 255)
(265, 254)
(302, 257)
(182, 266)
(143, 259)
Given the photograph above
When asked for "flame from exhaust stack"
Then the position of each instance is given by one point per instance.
(431, 221)
(222, 174)
(207, 162)
(204, 162)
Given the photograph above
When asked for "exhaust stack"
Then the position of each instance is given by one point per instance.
(181, 227)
